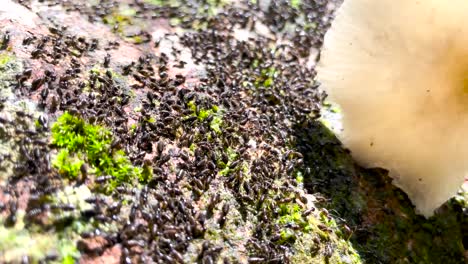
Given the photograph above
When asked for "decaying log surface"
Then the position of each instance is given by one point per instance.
(185, 132)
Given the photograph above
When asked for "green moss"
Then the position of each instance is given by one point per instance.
(120, 19)
(68, 251)
(91, 144)
(128, 12)
(151, 120)
(291, 214)
(296, 4)
(225, 169)
(268, 82)
(204, 114)
(224, 172)
(175, 21)
(215, 6)
(232, 154)
(133, 127)
(146, 173)
(137, 108)
(192, 106)
(68, 260)
(100, 71)
(313, 238)
(135, 39)
(37, 124)
(266, 78)
(5, 58)
(68, 165)
(216, 123)
(192, 147)
(75, 52)
(299, 177)
(287, 235)
(255, 63)
(313, 243)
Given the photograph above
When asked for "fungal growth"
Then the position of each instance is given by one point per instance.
(398, 70)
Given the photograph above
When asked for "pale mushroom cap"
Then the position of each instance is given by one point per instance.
(399, 71)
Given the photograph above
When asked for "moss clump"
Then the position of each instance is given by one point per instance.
(216, 122)
(4, 59)
(67, 164)
(226, 167)
(266, 78)
(81, 142)
(296, 4)
(291, 215)
(119, 20)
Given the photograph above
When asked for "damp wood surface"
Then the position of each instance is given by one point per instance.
(184, 131)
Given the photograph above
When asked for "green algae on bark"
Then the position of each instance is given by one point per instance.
(37, 244)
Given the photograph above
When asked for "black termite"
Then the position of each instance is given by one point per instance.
(127, 69)
(116, 143)
(84, 171)
(51, 256)
(34, 212)
(109, 75)
(35, 53)
(37, 83)
(132, 215)
(10, 221)
(207, 260)
(107, 59)
(94, 44)
(212, 203)
(163, 75)
(28, 40)
(184, 156)
(26, 74)
(179, 80)
(190, 119)
(93, 200)
(163, 159)
(125, 257)
(180, 64)
(5, 40)
(44, 94)
(66, 207)
(42, 119)
(177, 256)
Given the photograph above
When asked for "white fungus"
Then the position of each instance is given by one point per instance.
(399, 71)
